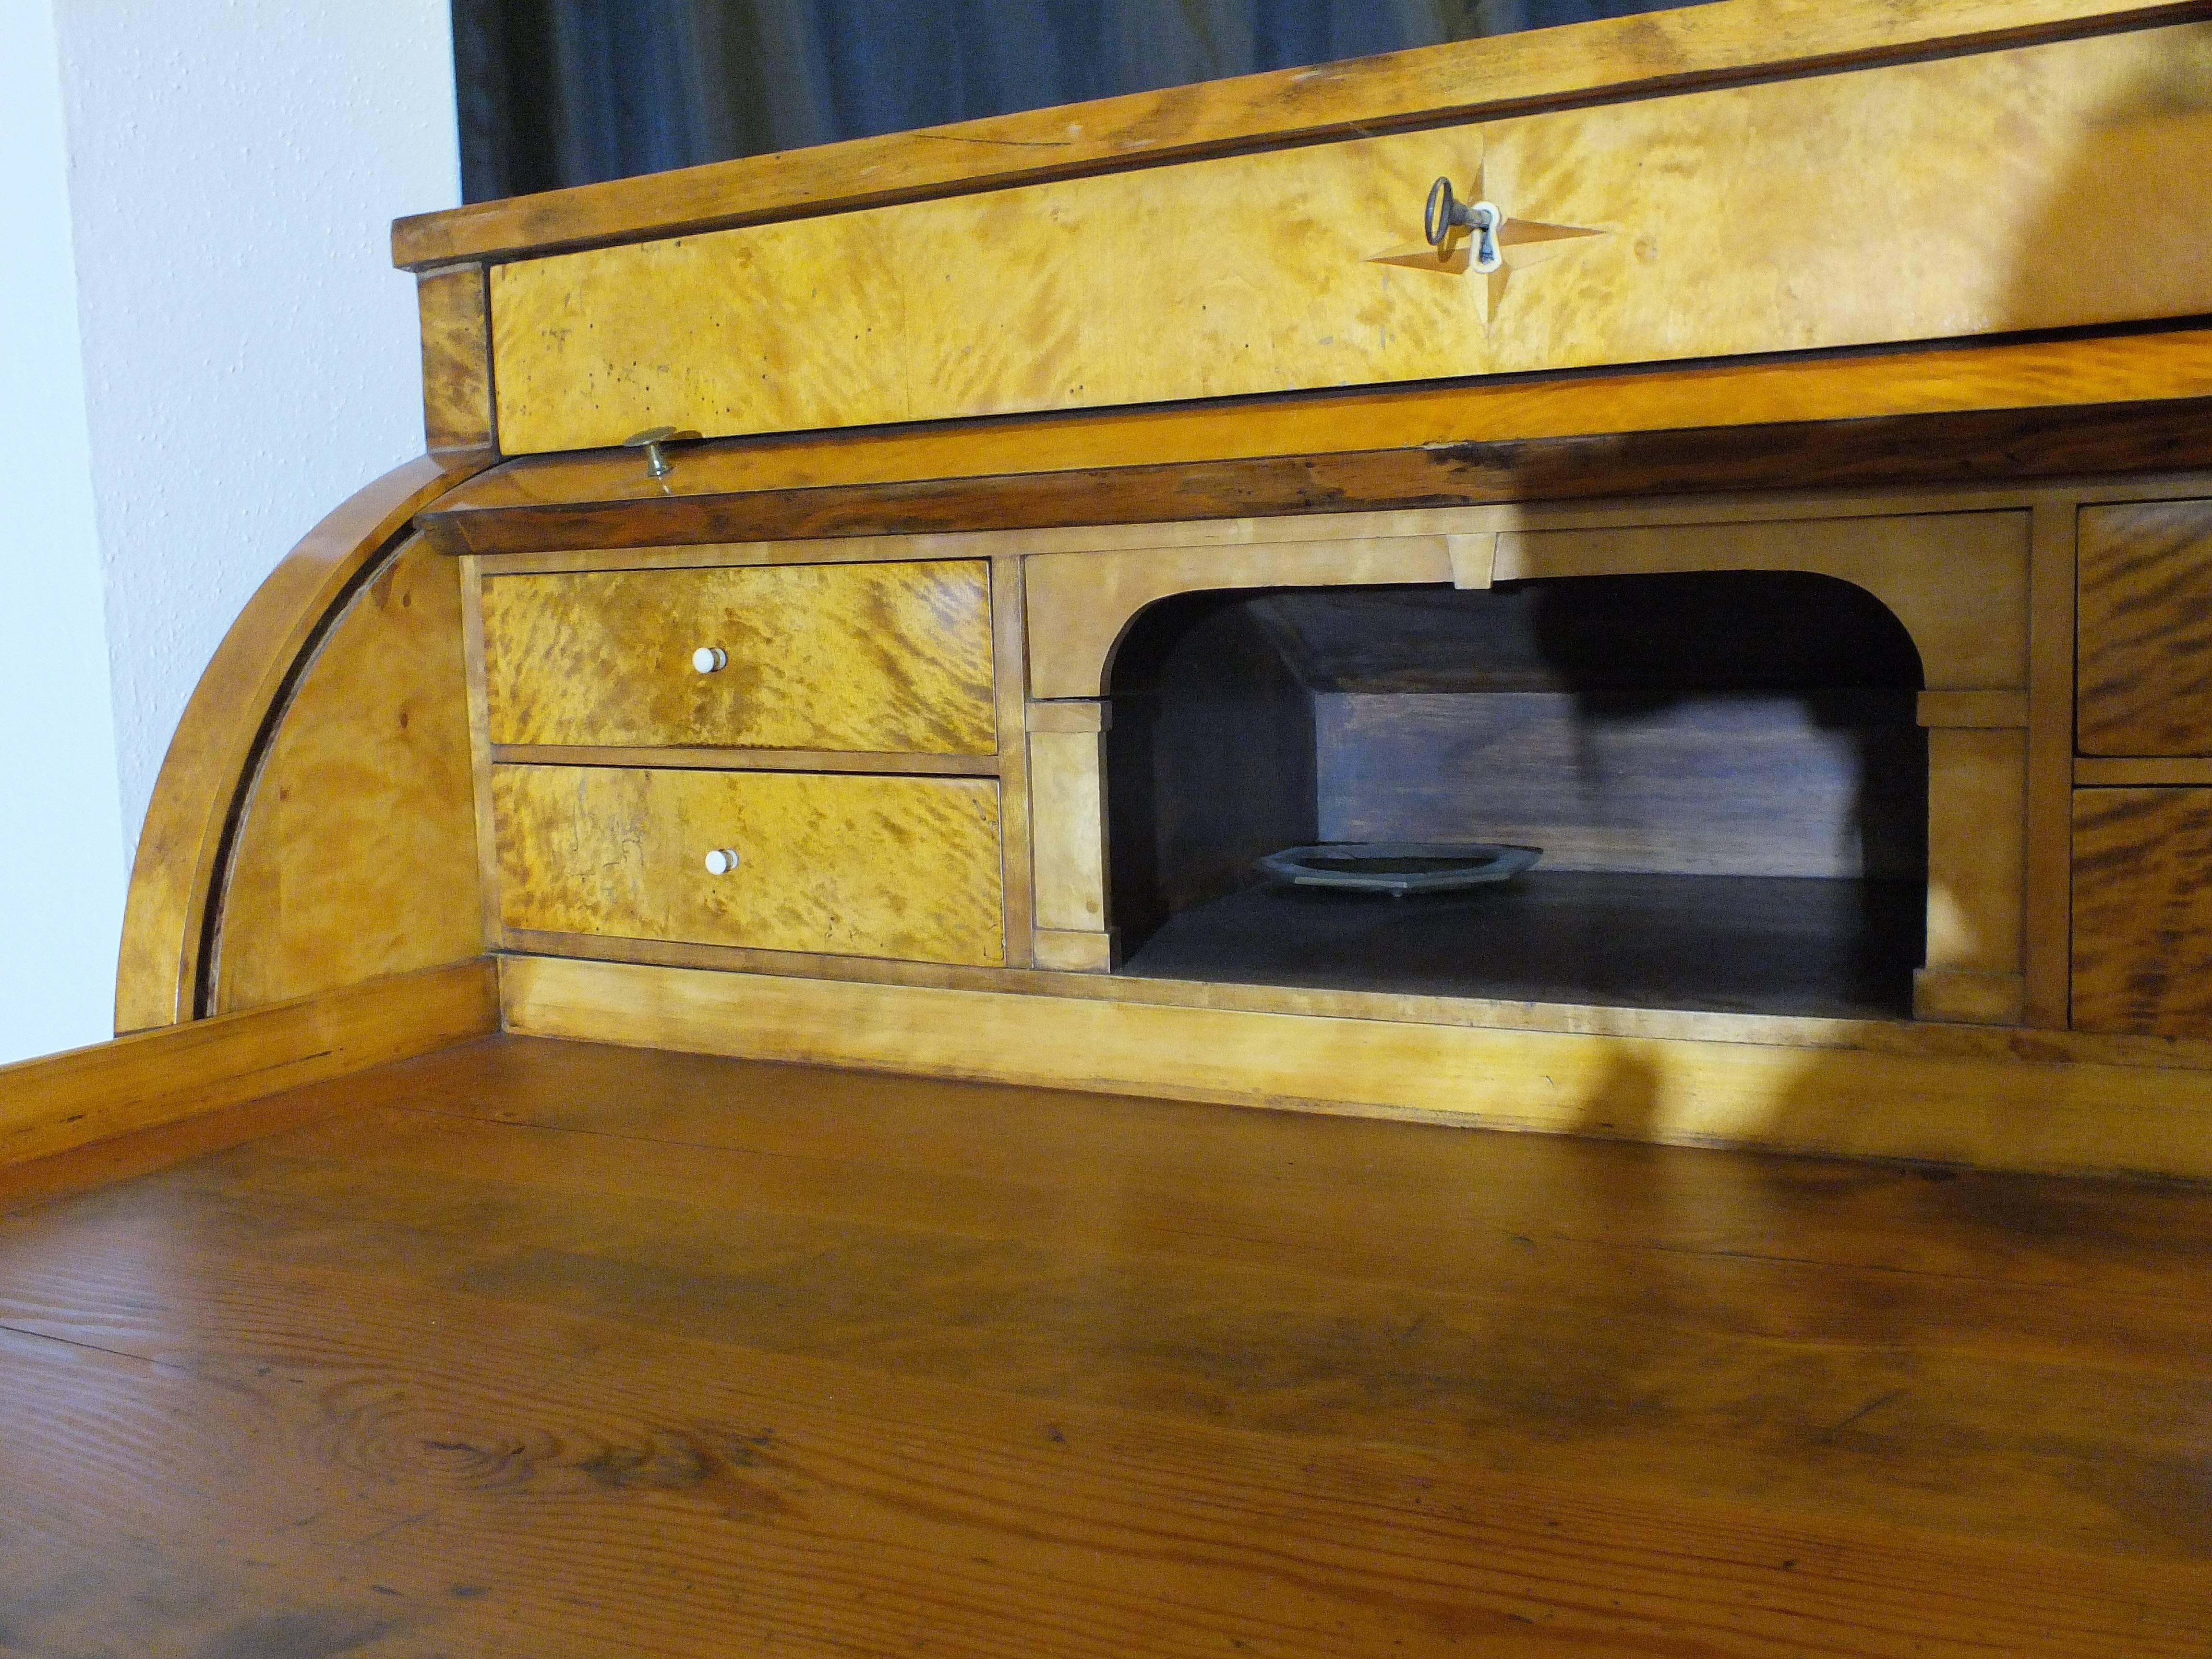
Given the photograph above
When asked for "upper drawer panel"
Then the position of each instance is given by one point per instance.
(891, 659)
(2145, 668)
(1950, 198)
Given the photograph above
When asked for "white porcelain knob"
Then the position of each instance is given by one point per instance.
(722, 860)
(708, 657)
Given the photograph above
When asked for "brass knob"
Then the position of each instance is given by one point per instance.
(657, 464)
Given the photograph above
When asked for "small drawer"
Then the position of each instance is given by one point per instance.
(846, 863)
(2145, 669)
(884, 659)
(2143, 911)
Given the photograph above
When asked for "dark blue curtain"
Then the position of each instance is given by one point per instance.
(566, 92)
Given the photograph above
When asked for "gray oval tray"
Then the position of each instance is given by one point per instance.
(1398, 867)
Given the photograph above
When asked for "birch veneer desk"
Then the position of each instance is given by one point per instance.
(1782, 497)
(1788, 499)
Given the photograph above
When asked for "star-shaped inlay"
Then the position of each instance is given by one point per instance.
(1521, 243)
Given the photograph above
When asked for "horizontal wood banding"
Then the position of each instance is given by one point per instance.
(845, 864)
(2179, 769)
(2003, 446)
(747, 760)
(1070, 951)
(2081, 372)
(2145, 668)
(1972, 708)
(2143, 911)
(872, 658)
(1619, 58)
(1999, 1114)
(177, 1072)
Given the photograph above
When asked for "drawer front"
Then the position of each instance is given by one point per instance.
(2143, 911)
(846, 863)
(1920, 201)
(892, 658)
(2145, 664)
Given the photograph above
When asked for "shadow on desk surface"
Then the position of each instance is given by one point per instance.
(539, 1348)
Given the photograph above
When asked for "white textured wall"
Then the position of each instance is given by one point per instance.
(249, 352)
(61, 833)
(236, 357)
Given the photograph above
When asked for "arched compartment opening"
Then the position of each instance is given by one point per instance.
(1724, 769)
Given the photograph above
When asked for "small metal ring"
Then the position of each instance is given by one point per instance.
(1435, 225)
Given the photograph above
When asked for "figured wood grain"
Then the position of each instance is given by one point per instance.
(549, 1348)
(2183, 769)
(355, 853)
(867, 865)
(1972, 1045)
(1967, 450)
(745, 760)
(2047, 905)
(454, 303)
(180, 848)
(480, 751)
(178, 1072)
(2029, 1110)
(2145, 630)
(2143, 911)
(1624, 57)
(1067, 781)
(1977, 848)
(1253, 273)
(1010, 668)
(2128, 368)
(1958, 582)
(877, 658)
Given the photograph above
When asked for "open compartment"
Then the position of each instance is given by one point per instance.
(1724, 771)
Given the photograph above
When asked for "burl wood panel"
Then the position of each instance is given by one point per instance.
(1735, 220)
(356, 855)
(2145, 668)
(456, 322)
(878, 657)
(2143, 911)
(844, 864)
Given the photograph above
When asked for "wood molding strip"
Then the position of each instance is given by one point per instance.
(211, 759)
(748, 760)
(1603, 62)
(1973, 709)
(66, 1101)
(1998, 1113)
(2176, 771)
(1997, 447)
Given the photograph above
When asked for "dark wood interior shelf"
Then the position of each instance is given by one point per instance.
(1757, 944)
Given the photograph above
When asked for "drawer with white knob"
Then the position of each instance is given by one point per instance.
(890, 659)
(847, 864)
